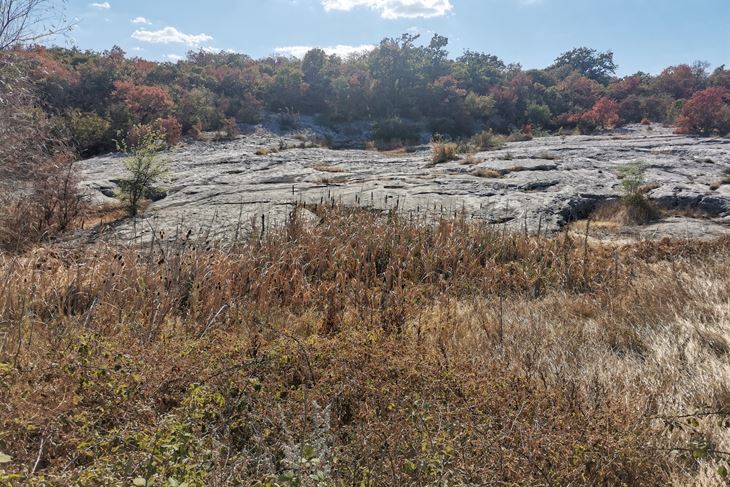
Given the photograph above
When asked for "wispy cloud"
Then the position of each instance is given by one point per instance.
(170, 35)
(174, 57)
(340, 50)
(140, 20)
(395, 9)
(101, 6)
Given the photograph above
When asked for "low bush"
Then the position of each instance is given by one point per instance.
(440, 353)
(394, 132)
(168, 128)
(288, 120)
(91, 134)
(487, 140)
(634, 208)
(444, 153)
(144, 168)
(707, 112)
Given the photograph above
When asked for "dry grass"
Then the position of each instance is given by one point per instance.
(485, 172)
(327, 168)
(444, 153)
(716, 185)
(367, 351)
(471, 160)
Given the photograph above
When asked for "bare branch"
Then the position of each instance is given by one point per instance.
(30, 21)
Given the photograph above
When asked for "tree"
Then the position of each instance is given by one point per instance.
(605, 113)
(706, 112)
(29, 21)
(478, 72)
(682, 81)
(598, 66)
(144, 167)
(539, 115)
(145, 103)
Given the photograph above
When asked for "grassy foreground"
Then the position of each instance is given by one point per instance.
(367, 351)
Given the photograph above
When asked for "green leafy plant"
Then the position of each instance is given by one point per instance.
(144, 167)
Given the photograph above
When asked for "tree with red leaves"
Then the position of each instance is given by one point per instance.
(681, 81)
(706, 112)
(605, 113)
(145, 103)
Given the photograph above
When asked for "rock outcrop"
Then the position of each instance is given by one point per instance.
(220, 188)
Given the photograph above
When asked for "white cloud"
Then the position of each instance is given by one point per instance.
(174, 57)
(101, 6)
(140, 20)
(170, 35)
(340, 50)
(395, 9)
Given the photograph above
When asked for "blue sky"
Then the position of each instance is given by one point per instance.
(646, 35)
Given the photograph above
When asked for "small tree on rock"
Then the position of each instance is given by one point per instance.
(144, 167)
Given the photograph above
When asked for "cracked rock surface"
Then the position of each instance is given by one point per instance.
(219, 188)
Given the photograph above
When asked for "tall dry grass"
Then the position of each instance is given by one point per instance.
(367, 350)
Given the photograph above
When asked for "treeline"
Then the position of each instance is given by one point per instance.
(96, 96)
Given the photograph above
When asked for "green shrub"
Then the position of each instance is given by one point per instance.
(480, 107)
(636, 208)
(487, 140)
(395, 132)
(288, 119)
(144, 167)
(539, 115)
(90, 133)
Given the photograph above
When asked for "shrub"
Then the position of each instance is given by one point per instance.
(480, 107)
(145, 103)
(288, 119)
(487, 140)
(521, 135)
(395, 132)
(144, 167)
(586, 124)
(636, 208)
(90, 133)
(196, 131)
(230, 127)
(168, 128)
(444, 153)
(605, 113)
(706, 112)
(539, 115)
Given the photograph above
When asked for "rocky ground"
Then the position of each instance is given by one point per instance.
(219, 189)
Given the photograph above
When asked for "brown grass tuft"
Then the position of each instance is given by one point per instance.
(484, 172)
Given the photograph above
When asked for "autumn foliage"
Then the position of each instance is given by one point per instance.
(707, 112)
(145, 103)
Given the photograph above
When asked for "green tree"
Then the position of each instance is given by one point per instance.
(598, 66)
(144, 168)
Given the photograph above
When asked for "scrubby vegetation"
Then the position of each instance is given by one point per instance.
(428, 352)
(444, 153)
(347, 347)
(402, 86)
